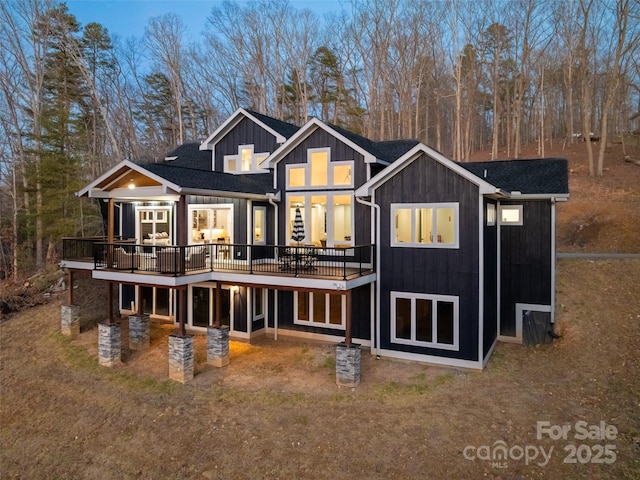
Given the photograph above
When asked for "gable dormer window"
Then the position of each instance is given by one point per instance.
(245, 161)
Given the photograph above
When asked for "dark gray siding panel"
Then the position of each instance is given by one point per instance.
(246, 132)
(490, 283)
(128, 228)
(431, 270)
(525, 262)
(240, 309)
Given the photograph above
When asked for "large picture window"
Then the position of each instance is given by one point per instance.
(432, 225)
(319, 309)
(320, 172)
(327, 218)
(425, 320)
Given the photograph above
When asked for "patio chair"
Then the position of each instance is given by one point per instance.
(196, 259)
(125, 261)
(170, 260)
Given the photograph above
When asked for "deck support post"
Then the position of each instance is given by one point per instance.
(181, 358)
(218, 346)
(70, 320)
(109, 344)
(348, 365)
(139, 331)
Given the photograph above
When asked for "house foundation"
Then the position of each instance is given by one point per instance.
(181, 358)
(109, 344)
(139, 332)
(218, 346)
(348, 365)
(70, 320)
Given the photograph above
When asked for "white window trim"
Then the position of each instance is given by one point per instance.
(165, 209)
(330, 177)
(255, 168)
(211, 206)
(434, 324)
(330, 223)
(511, 207)
(264, 225)
(414, 207)
(326, 324)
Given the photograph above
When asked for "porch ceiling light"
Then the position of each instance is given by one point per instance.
(131, 184)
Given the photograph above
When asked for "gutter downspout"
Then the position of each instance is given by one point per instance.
(272, 200)
(375, 321)
(553, 264)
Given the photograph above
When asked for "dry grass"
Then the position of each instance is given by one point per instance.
(275, 411)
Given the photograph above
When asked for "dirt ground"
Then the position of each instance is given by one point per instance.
(276, 413)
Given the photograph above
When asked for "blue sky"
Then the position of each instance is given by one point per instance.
(127, 18)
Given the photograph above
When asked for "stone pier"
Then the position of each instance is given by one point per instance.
(109, 344)
(138, 332)
(347, 365)
(181, 358)
(218, 346)
(70, 320)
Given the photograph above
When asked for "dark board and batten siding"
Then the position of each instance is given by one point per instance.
(246, 132)
(525, 261)
(438, 271)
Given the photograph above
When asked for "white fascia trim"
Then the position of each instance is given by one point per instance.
(446, 361)
(307, 130)
(225, 194)
(365, 190)
(76, 265)
(92, 187)
(559, 197)
(232, 121)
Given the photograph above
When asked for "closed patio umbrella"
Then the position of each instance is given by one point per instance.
(297, 235)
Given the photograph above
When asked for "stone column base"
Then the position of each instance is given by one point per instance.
(218, 346)
(138, 332)
(181, 358)
(70, 320)
(109, 344)
(347, 365)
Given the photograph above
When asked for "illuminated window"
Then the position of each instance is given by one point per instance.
(510, 214)
(425, 225)
(320, 172)
(259, 225)
(246, 161)
(327, 218)
(319, 162)
(319, 309)
(296, 176)
(491, 214)
(425, 320)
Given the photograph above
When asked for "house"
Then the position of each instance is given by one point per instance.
(314, 232)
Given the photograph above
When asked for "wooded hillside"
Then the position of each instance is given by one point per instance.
(460, 76)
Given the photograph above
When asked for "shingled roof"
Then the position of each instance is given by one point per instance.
(189, 155)
(530, 177)
(197, 179)
(283, 128)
